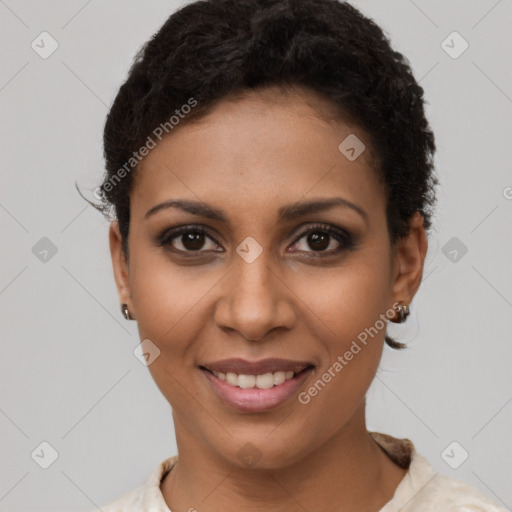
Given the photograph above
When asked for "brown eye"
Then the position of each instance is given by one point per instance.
(188, 239)
(318, 241)
(323, 239)
(192, 241)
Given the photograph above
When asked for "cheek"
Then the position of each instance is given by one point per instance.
(166, 297)
(345, 300)
(347, 306)
(168, 304)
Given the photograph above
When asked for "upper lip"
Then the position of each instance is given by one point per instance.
(244, 367)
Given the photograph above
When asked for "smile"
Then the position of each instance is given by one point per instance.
(262, 381)
(256, 386)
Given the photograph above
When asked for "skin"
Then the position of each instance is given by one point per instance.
(251, 155)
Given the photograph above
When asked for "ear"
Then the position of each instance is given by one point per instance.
(409, 259)
(120, 266)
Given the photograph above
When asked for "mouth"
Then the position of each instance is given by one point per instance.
(261, 381)
(256, 386)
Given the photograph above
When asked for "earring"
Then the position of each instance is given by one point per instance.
(403, 311)
(126, 311)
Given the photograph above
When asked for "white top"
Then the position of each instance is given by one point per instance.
(421, 490)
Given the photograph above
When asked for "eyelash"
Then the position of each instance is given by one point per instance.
(344, 238)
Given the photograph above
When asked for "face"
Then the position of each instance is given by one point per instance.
(281, 264)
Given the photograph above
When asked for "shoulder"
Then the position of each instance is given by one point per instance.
(445, 493)
(430, 490)
(145, 497)
(127, 502)
(423, 489)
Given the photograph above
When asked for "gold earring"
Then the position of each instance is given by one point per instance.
(126, 311)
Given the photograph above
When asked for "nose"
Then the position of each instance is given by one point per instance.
(255, 300)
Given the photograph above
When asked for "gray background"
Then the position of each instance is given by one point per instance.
(68, 373)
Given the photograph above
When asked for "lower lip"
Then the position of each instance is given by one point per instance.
(255, 399)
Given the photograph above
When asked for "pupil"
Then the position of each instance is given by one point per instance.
(193, 241)
(318, 241)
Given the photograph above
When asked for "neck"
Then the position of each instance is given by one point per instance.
(348, 472)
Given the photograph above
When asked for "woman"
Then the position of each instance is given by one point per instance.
(270, 168)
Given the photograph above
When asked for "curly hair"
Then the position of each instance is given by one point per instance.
(211, 49)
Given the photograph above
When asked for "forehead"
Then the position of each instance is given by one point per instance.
(256, 148)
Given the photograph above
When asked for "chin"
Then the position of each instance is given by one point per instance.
(266, 451)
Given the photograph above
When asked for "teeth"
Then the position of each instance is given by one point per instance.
(246, 381)
(279, 378)
(264, 381)
(232, 378)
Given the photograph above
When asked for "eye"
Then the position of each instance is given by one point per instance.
(324, 240)
(189, 238)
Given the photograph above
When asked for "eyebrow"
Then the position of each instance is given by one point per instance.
(285, 213)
